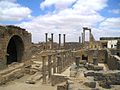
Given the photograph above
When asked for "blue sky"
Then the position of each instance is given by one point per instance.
(62, 16)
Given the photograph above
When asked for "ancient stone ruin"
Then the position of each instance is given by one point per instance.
(86, 65)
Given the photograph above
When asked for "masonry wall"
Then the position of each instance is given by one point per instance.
(113, 62)
(101, 57)
(6, 33)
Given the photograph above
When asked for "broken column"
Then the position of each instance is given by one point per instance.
(58, 64)
(51, 40)
(46, 39)
(44, 69)
(64, 40)
(79, 39)
(59, 41)
(54, 61)
(77, 61)
(49, 66)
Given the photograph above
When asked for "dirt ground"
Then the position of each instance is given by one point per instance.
(19, 84)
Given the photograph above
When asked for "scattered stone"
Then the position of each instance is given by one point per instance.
(103, 84)
(30, 82)
(83, 62)
(89, 73)
(90, 84)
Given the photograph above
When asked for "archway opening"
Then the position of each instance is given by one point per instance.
(15, 50)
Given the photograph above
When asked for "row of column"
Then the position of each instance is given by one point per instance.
(57, 63)
(52, 42)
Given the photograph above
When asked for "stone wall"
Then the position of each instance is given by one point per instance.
(101, 56)
(6, 34)
(113, 62)
(89, 54)
(58, 78)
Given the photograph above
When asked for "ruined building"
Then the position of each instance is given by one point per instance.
(15, 44)
(86, 65)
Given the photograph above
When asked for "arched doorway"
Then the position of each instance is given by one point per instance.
(15, 49)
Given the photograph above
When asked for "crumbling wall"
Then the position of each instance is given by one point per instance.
(58, 78)
(113, 62)
(101, 56)
(6, 33)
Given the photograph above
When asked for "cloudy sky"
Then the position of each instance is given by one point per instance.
(62, 16)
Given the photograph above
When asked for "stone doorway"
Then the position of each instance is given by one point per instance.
(84, 57)
(15, 49)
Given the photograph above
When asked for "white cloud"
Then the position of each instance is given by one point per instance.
(110, 27)
(111, 23)
(59, 4)
(11, 11)
(66, 20)
(115, 11)
(70, 20)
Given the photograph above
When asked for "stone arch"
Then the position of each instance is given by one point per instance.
(15, 49)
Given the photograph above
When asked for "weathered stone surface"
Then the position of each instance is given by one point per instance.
(89, 73)
(34, 78)
(15, 71)
(90, 84)
(58, 78)
(83, 62)
(104, 84)
(22, 42)
(93, 67)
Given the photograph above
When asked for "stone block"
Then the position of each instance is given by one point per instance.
(90, 84)
(98, 68)
(103, 84)
(89, 73)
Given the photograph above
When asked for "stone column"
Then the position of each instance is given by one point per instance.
(44, 69)
(90, 35)
(49, 66)
(59, 41)
(77, 61)
(51, 40)
(58, 64)
(83, 35)
(54, 62)
(64, 40)
(46, 39)
(79, 39)
(82, 38)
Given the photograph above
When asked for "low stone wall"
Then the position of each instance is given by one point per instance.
(105, 79)
(58, 78)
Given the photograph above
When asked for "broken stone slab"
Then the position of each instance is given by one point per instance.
(11, 68)
(97, 68)
(89, 73)
(16, 74)
(30, 82)
(34, 78)
(91, 84)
